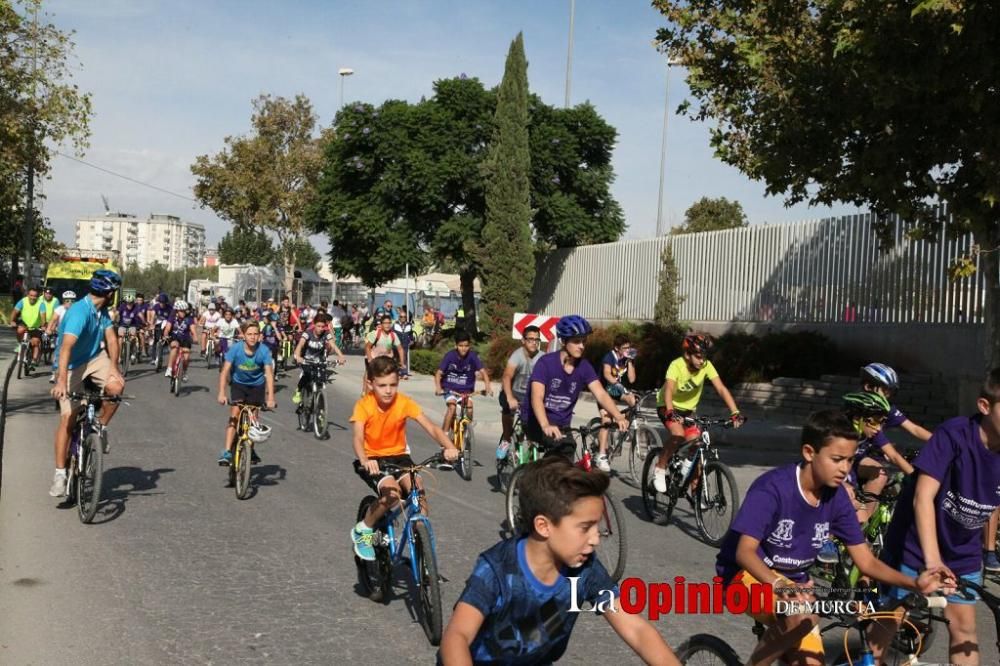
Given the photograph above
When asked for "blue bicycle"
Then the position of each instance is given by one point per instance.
(405, 532)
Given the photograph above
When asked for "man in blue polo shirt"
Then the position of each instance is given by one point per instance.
(84, 326)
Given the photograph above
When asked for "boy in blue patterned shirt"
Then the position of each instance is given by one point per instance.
(515, 608)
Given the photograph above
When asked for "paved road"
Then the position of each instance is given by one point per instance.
(176, 570)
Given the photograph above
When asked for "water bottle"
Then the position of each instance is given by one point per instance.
(686, 464)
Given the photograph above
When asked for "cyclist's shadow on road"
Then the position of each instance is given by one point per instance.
(266, 475)
(682, 517)
(122, 483)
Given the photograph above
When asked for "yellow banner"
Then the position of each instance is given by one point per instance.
(75, 270)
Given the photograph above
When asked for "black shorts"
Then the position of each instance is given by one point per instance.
(183, 344)
(504, 405)
(565, 447)
(252, 395)
(373, 480)
(665, 420)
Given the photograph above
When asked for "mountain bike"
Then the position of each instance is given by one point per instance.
(239, 467)
(312, 409)
(695, 472)
(520, 451)
(23, 361)
(48, 347)
(634, 442)
(129, 352)
(613, 547)
(463, 434)
(85, 471)
(286, 347)
(405, 533)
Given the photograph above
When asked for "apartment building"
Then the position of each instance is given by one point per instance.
(164, 239)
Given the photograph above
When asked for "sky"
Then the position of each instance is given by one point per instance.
(170, 80)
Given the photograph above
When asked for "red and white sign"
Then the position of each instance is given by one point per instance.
(546, 325)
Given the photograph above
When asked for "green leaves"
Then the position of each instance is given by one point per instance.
(712, 215)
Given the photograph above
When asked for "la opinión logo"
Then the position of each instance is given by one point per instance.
(680, 597)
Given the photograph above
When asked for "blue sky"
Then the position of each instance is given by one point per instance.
(170, 80)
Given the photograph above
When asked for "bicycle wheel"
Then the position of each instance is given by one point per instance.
(241, 461)
(512, 500)
(20, 361)
(175, 385)
(505, 467)
(158, 352)
(90, 478)
(465, 455)
(125, 357)
(708, 650)
(640, 442)
(716, 502)
(612, 550)
(304, 411)
(319, 415)
(658, 506)
(428, 586)
(209, 354)
(371, 574)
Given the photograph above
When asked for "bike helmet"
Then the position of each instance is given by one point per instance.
(880, 374)
(69, 296)
(211, 306)
(573, 326)
(104, 282)
(163, 299)
(180, 305)
(130, 299)
(697, 343)
(863, 403)
(259, 433)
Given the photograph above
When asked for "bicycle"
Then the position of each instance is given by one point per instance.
(85, 471)
(639, 437)
(48, 347)
(613, 546)
(23, 361)
(157, 345)
(521, 451)
(709, 649)
(312, 409)
(129, 353)
(210, 351)
(463, 435)
(239, 467)
(286, 348)
(695, 463)
(404, 532)
(177, 373)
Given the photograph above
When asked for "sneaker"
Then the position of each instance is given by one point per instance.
(828, 553)
(52, 378)
(297, 397)
(225, 458)
(502, 449)
(184, 378)
(990, 561)
(58, 488)
(660, 480)
(603, 464)
(167, 373)
(363, 538)
(254, 458)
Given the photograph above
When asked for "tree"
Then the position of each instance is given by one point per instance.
(304, 254)
(873, 103)
(267, 180)
(246, 246)
(667, 311)
(156, 277)
(508, 266)
(712, 215)
(39, 106)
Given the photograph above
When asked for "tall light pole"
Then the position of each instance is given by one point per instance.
(569, 53)
(344, 73)
(671, 62)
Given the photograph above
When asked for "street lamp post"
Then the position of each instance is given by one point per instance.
(671, 62)
(569, 54)
(344, 73)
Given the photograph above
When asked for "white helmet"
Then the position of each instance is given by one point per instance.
(69, 295)
(259, 433)
(180, 305)
(211, 306)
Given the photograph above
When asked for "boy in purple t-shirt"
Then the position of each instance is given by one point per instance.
(939, 520)
(556, 384)
(787, 515)
(456, 376)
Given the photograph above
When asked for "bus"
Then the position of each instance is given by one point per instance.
(74, 267)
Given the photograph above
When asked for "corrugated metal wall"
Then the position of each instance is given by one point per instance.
(825, 270)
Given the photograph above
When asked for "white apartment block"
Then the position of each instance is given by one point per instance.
(165, 239)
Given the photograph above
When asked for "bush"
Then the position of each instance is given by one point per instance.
(497, 353)
(425, 361)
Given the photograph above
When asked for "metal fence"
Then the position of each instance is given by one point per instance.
(828, 270)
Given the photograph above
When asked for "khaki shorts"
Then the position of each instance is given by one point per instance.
(98, 370)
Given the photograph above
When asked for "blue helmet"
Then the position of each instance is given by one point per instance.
(573, 326)
(881, 374)
(104, 282)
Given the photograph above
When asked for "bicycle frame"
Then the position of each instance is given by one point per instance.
(403, 542)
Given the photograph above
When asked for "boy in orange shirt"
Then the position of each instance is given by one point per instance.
(379, 420)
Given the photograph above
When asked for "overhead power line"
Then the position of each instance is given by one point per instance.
(128, 178)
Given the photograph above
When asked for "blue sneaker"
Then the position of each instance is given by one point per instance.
(225, 458)
(990, 561)
(364, 542)
(828, 553)
(502, 449)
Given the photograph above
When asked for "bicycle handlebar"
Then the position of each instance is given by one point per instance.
(391, 468)
(88, 395)
(242, 403)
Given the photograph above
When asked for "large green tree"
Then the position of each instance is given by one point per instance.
(404, 183)
(507, 229)
(246, 246)
(709, 214)
(267, 179)
(40, 108)
(886, 104)
(156, 278)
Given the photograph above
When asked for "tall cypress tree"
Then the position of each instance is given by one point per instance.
(506, 252)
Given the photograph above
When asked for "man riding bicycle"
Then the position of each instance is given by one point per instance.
(28, 316)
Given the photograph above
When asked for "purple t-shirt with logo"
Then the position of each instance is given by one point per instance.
(790, 529)
(969, 474)
(896, 418)
(561, 389)
(458, 373)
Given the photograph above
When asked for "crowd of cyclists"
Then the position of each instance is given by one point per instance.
(514, 605)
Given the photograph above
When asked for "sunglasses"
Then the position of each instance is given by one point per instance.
(532, 339)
